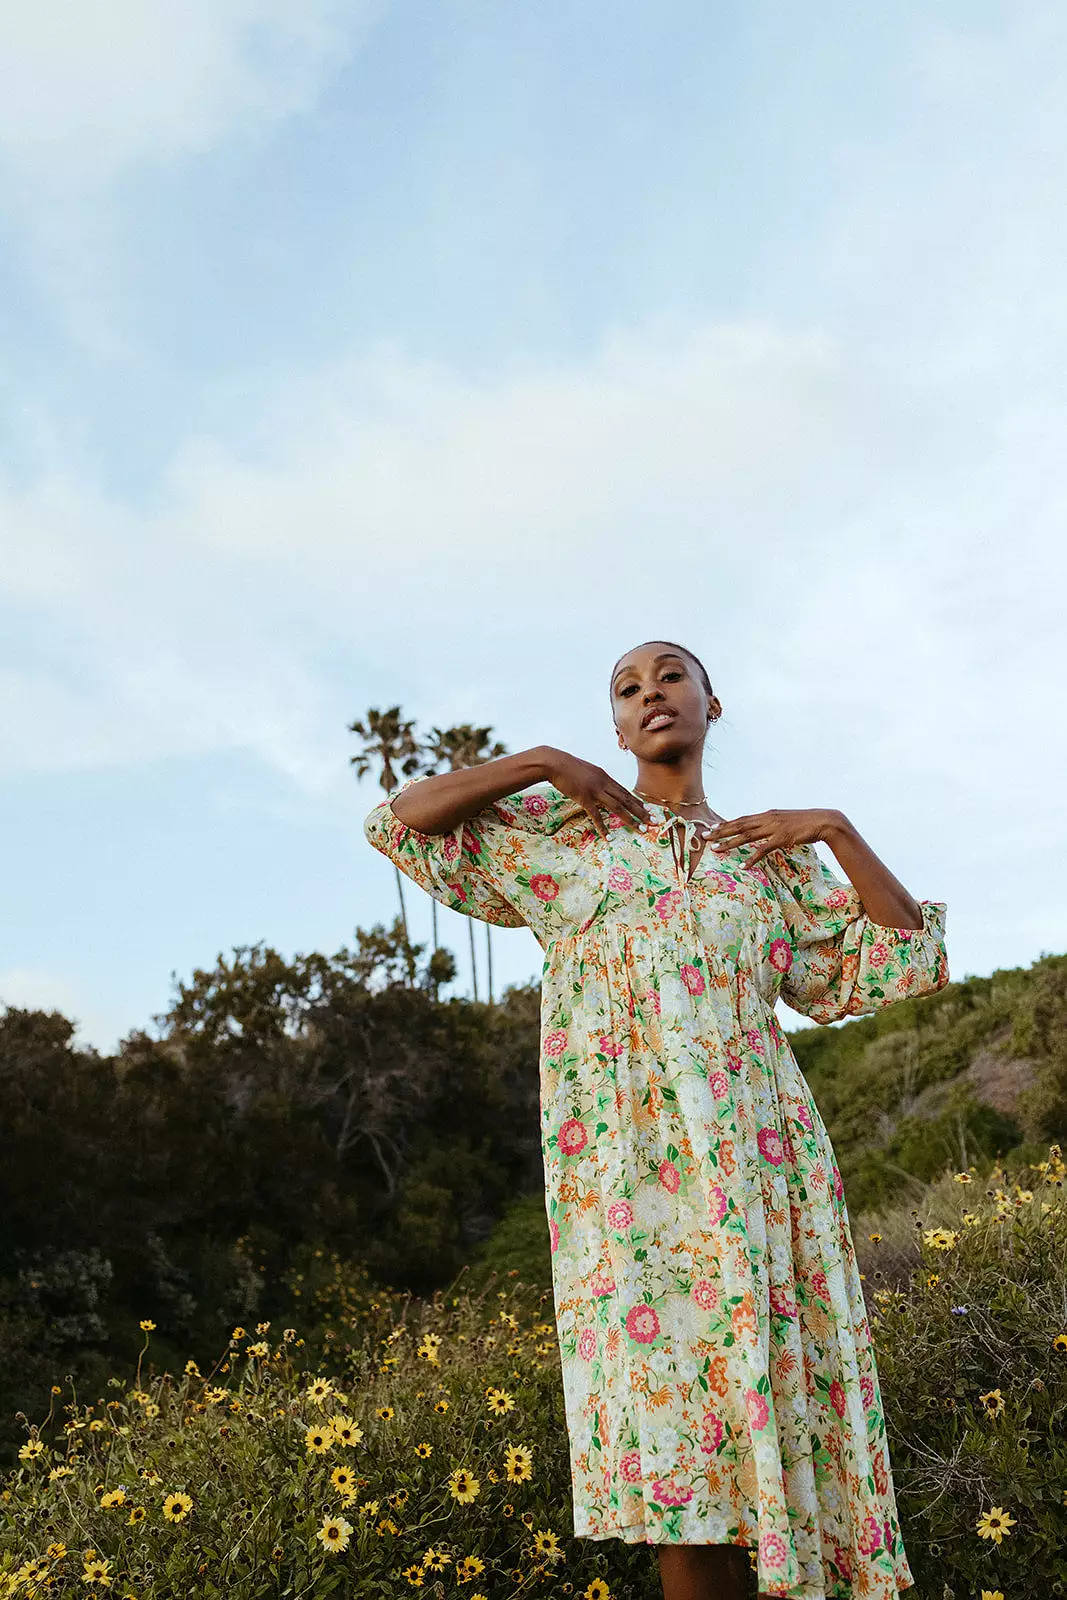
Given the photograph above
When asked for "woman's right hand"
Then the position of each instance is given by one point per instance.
(594, 789)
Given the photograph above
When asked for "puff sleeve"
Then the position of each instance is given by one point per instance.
(516, 864)
(842, 963)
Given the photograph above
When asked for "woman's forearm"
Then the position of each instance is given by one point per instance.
(439, 804)
(884, 897)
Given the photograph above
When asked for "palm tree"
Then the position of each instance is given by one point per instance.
(389, 742)
(450, 749)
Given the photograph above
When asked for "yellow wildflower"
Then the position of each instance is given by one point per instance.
(463, 1485)
(334, 1534)
(994, 1524)
(176, 1507)
(518, 1464)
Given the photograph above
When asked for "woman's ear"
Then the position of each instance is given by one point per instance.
(622, 742)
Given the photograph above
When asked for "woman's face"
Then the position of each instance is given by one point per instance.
(659, 701)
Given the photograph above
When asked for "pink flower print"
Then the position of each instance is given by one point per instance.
(839, 1188)
(717, 1202)
(867, 1391)
(458, 890)
(804, 1118)
(723, 881)
(781, 1302)
(535, 804)
(837, 898)
(555, 1042)
(553, 1235)
(772, 1550)
(610, 1047)
(759, 875)
(620, 880)
(818, 1285)
(781, 955)
(601, 1285)
(630, 1467)
(642, 1323)
(620, 1215)
(544, 886)
(614, 820)
(733, 1061)
(450, 847)
(669, 1492)
(843, 1562)
(669, 1176)
(887, 1534)
(692, 979)
(668, 903)
(573, 1137)
(770, 1145)
(587, 1344)
(757, 1408)
(654, 998)
(719, 1084)
(836, 1397)
(705, 1294)
(879, 955)
(871, 1538)
(711, 1433)
(755, 1040)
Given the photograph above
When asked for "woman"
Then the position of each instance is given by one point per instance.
(718, 1375)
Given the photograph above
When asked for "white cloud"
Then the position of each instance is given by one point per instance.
(742, 482)
(88, 90)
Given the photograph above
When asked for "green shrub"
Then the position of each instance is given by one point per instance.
(407, 1443)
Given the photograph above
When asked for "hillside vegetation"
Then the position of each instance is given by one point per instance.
(332, 1102)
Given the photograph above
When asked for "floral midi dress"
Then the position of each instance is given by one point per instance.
(718, 1373)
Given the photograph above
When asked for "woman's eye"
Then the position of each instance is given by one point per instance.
(630, 689)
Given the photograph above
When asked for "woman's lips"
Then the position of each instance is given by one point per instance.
(654, 723)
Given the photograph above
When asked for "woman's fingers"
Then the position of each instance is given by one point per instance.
(593, 807)
(626, 801)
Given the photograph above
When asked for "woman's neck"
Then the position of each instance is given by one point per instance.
(670, 785)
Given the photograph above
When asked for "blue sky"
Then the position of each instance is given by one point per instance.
(356, 353)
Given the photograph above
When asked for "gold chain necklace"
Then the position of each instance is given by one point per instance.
(666, 807)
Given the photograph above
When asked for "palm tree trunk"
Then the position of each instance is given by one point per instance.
(489, 958)
(474, 964)
(400, 892)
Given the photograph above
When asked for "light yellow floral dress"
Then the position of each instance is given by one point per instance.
(718, 1375)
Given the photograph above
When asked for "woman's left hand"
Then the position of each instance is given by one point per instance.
(775, 830)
